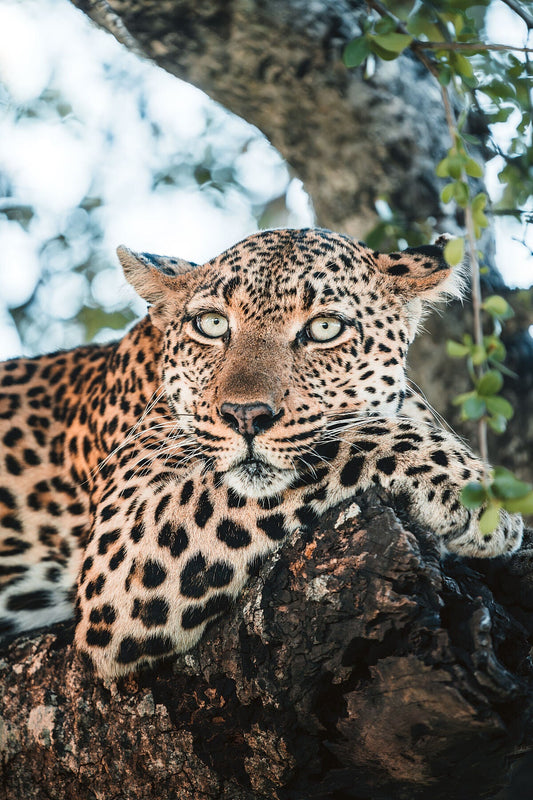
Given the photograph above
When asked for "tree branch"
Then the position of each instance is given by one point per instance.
(520, 11)
(355, 658)
(418, 44)
(276, 69)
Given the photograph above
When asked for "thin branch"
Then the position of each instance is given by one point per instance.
(520, 11)
(476, 304)
(510, 212)
(101, 12)
(468, 46)
(523, 243)
(474, 272)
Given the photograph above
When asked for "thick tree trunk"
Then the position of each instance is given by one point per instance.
(355, 666)
(277, 64)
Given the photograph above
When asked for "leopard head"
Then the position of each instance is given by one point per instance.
(275, 345)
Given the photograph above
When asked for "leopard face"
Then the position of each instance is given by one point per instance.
(269, 346)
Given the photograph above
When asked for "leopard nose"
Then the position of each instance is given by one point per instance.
(248, 419)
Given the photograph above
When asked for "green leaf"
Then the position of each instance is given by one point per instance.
(500, 89)
(478, 355)
(385, 55)
(473, 495)
(498, 423)
(495, 304)
(356, 51)
(502, 115)
(460, 192)
(458, 22)
(501, 472)
(462, 65)
(489, 520)
(441, 169)
(522, 505)
(460, 399)
(447, 193)
(455, 165)
(454, 251)
(94, 319)
(393, 42)
(474, 408)
(501, 367)
(385, 25)
(444, 75)
(498, 307)
(456, 349)
(423, 21)
(471, 139)
(479, 201)
(490, 383)
(506, 486)
(473, 169)
(495, 347)
(499, 405)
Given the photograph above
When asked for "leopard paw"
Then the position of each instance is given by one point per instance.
(471, 542)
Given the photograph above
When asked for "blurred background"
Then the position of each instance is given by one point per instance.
(98, 148)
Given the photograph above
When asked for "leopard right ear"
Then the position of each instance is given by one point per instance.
(151, 275)
(155, 279)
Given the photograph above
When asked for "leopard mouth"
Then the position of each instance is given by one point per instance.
(254, 477)
(255, 468)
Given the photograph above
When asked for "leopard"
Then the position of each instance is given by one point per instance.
(143, 481)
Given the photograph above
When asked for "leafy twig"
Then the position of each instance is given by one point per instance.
(387, 39)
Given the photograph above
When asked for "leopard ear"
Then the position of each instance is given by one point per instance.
(422, 275)
(154, 278)
(423, 272)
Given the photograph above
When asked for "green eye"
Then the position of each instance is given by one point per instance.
(212, 324)
(322, 329)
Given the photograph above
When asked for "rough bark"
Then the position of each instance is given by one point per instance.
(357, 665)
(277, 64)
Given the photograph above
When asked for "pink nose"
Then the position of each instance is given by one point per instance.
(248, 419)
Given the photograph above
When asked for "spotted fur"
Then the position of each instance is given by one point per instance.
(151, 476)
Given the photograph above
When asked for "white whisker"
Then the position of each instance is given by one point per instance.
(147, 459)
(418, 393)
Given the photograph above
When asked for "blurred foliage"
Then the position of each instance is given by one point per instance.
(488, 87)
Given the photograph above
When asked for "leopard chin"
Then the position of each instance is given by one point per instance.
(256, 478)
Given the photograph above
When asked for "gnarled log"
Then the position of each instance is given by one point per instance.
(356, 665)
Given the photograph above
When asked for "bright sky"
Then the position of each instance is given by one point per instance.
(52, 164)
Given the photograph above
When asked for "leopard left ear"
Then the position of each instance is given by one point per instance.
(423, 271)
(156, 279)
(422, 275)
